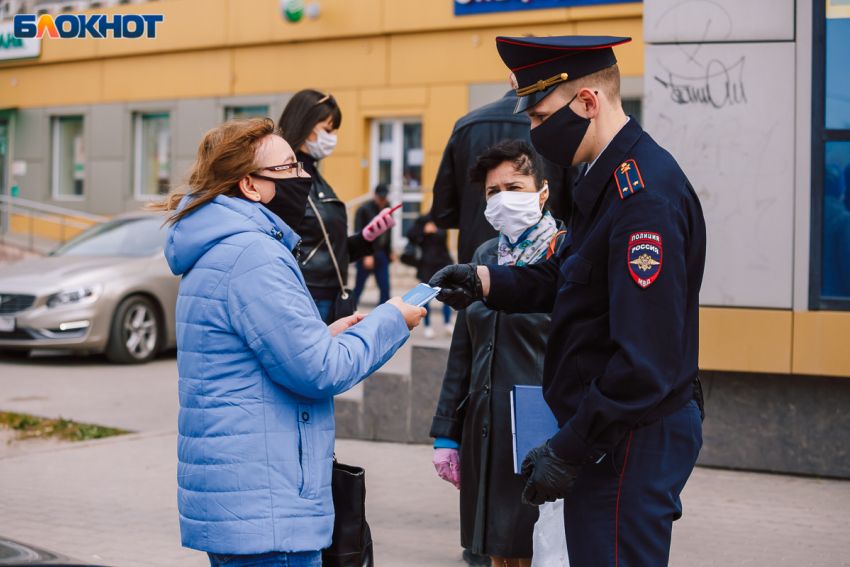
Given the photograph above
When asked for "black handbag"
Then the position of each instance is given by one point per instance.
(412, 255)
(352, 539)
(345, 303)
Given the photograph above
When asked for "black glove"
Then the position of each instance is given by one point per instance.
(460, 285)
(548, 477)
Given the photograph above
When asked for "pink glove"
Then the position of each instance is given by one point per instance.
(447, 463)
(382, 222)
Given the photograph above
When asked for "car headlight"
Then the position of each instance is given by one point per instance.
(76, 296)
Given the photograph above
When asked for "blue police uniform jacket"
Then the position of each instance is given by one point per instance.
(624, 295)
(258, 371)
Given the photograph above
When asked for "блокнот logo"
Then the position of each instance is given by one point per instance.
(81, 25)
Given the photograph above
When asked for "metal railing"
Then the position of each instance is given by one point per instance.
(35, 216)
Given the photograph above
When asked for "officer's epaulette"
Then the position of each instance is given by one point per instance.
(628, 178)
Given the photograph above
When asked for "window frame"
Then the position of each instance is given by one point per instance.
(138, 150)
(55, 156)
(229, 108)
(820, 137)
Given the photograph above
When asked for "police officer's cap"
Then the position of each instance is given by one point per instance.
(540, 64)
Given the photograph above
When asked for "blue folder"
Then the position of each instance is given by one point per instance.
(532, 422)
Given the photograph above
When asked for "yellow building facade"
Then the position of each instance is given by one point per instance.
(379, 58)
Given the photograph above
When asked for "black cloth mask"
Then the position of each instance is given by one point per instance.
(558, 138)
(290, 198)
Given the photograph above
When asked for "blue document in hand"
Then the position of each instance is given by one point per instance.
(420, 295)
(532, 422)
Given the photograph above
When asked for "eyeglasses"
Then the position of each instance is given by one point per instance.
(293, 169)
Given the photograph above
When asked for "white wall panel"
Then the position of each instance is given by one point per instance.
(726, 113)
(677, 21)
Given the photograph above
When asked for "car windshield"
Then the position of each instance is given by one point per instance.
(125, 237)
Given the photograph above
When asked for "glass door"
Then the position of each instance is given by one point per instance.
(397, 155)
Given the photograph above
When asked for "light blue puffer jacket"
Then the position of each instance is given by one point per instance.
(258, 372)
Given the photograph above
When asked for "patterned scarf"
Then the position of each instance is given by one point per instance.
(532, 248)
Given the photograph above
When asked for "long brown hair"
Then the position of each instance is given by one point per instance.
(226, 155)
(303, 111)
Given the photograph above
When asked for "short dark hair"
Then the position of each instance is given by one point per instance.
(303, 111)
(518, 152)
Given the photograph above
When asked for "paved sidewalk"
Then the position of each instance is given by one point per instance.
(114, 502)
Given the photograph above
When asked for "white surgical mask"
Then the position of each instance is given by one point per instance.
(513, 212)
(324, 144)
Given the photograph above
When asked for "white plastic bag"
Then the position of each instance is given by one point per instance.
(550, 543)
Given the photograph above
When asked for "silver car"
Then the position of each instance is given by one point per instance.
(109, 289)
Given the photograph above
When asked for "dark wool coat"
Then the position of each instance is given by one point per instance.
(490, 353)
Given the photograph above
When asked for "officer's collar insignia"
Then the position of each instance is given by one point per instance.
(629, 180)
(644, 257)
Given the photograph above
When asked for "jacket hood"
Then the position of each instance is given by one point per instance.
(192, 236)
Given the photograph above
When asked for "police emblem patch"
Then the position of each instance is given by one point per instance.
(628, 178)
(644, 257)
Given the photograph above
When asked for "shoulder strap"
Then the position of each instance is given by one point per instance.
(330, 248)
(554, 244)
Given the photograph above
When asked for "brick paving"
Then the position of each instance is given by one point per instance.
(113, 501)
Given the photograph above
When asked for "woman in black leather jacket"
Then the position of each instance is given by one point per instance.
(309, 123)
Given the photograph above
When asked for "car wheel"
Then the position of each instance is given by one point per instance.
(135, 336)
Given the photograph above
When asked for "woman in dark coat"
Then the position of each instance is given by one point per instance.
(435, 256)
(492, 352)
(309, 123)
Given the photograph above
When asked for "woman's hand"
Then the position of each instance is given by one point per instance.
(345, 323)
(412, 315)
(369, 262)
(447, 463)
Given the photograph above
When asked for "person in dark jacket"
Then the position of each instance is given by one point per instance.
(490, 353)
(378, 262)
(435, 256)
(459, 205)
(309, 123)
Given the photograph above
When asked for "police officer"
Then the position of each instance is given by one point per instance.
(620, 372)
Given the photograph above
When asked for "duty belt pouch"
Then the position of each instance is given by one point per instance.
(351, 545)
(345, 303)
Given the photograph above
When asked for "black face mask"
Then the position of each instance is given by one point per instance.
(290, 198)
(559, 137)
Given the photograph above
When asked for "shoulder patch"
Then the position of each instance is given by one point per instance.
(628, 178)
(644, 257)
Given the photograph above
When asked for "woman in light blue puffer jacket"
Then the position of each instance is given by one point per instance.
(258, 367)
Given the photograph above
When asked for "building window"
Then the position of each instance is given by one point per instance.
(830, 275)
(69, 157)
(397, 159)
(152, 154)
(231, 112)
